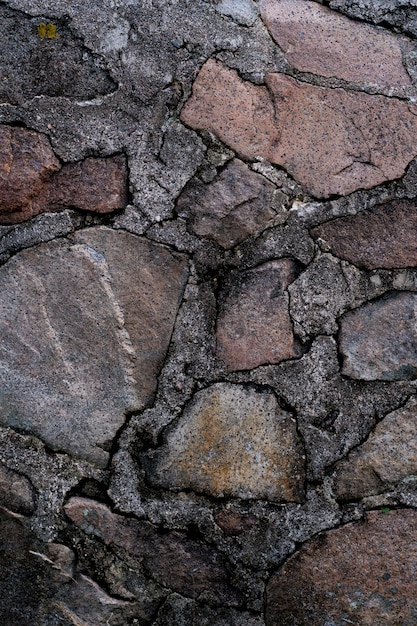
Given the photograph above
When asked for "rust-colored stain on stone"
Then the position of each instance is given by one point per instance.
(320, 41)
(362, 573)
(32, 179)
(330, 140)
(254, 326)
(231, 441)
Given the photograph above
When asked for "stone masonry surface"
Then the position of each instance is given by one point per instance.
(208, 313)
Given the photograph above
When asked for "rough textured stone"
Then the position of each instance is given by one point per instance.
(230, 209)
(320, 295)
(32, 65)
(84, 330)
(378, 341)
(16, 492)
(362, 573)
(317, 40)
(244, 12)
(231, 441)
(26, 162)
(254, 326)
(383, 236)
(32, 181)
(388, 456)
(332, 141)
(185, 565)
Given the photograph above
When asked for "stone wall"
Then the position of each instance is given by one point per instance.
(208, 313)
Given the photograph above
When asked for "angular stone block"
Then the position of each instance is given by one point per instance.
(231, 442)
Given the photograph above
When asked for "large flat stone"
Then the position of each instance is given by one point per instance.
(383, 236)
(332, 141)
(84, 326)
(231, 208)
(320, 41)
(254, 326)
(33, 181)
(185, 565)
(362, 573)
(388, 456)
(231, 442)
(379, 340)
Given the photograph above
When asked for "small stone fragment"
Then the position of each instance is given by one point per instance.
(231, 442)
(16, 492)
(361, 573)
(383, 236)
(244, 12)
(320, 41)
(378, 341)
(231, 208)
(331, 141)
(185, 565)
(254, 326)
(32, 180)
(388, 456)
(84, 330)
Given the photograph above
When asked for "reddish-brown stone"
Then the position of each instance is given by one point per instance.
(16, 492)
(233, 523)
(254, 325)
(383, 236)
(230, 209)
(332, 141)
(26, 163)
(362, 573)
(97, 185)
(32, 180)
(318, 40)
(379, 340)
(388, 456)
(185, 565)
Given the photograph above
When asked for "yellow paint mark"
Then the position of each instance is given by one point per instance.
(47, 31)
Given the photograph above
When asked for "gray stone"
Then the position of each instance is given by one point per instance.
(231, 442)
(84, 333)
(378, 341)
(387, 457)
(242, 11)
(238, 203)
(320, 295)
(34, 61)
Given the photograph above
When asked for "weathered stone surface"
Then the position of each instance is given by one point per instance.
(383, 236)
(388, 456)
(317, 40)
(320, 295)
(231, 441)
(32, 65)
(26, 162)
(185, 565)
(16, 492)
(362, 573)
(254, 326)
(84, 330)
(332, 141)
(98, 185)
(230, 209)
(378, 341)
(32, 181)
(244, 12)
